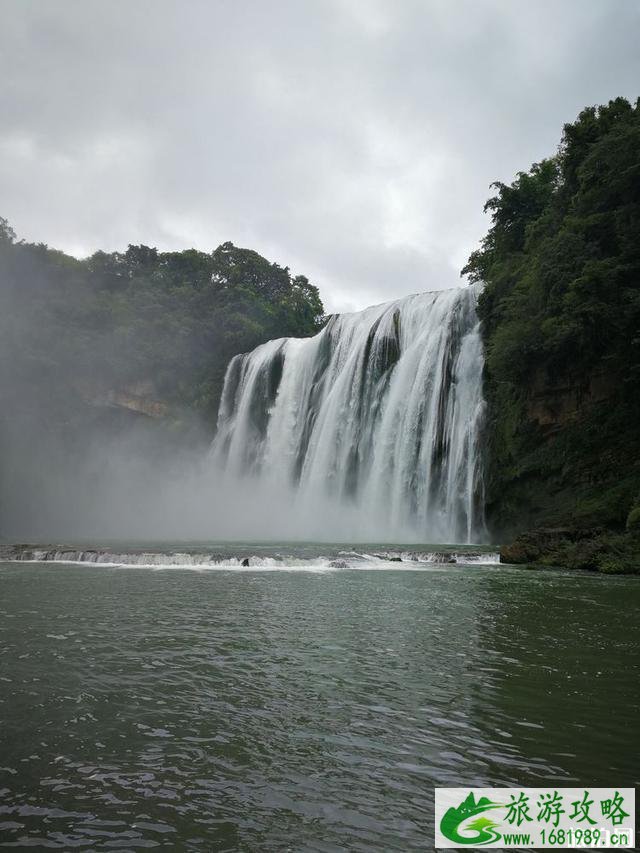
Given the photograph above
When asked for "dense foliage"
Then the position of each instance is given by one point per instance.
(561, 323)
(172, 318)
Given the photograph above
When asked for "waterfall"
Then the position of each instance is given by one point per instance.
(371, 430)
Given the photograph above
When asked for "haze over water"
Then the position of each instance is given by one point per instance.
(306, 710)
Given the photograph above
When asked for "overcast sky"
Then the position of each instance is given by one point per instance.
(353, 140)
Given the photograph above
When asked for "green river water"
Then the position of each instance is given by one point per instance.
(306, 709)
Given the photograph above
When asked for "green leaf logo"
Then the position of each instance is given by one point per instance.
(483, 828)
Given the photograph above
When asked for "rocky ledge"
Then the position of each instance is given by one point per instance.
(592, 549)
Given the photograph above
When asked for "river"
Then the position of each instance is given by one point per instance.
(314, 708)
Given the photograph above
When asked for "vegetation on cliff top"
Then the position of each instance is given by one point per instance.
(111, 369)
(121, 318)
(561, 322)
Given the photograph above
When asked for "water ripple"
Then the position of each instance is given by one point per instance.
(220, 711)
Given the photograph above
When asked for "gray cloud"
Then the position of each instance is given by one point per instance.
(353, 140)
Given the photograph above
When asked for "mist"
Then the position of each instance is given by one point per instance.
(110, 373)
(86, 458)
(136, 484)
(75, 465)
(73, 470)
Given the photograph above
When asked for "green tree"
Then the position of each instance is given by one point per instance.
(119, 318)
(560, 311)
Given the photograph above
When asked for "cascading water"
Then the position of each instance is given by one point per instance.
(371, 429)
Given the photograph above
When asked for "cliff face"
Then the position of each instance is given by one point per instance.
(563, 470)
(555, 402)
(138, 398)
(560, 315)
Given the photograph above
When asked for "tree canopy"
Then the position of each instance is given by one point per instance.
(116, 318)
(561, 261)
